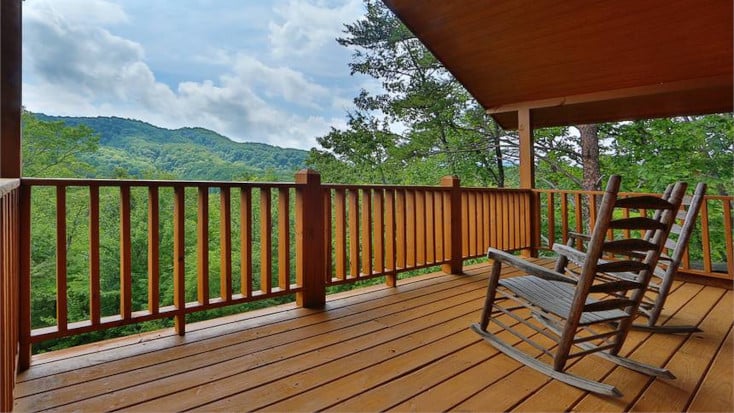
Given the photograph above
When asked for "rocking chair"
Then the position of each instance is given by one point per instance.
(573, 314)
(666, 268)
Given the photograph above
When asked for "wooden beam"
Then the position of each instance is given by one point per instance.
(527, 161)
(10, 88)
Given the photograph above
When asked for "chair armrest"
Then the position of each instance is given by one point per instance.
(577, 235)
(572, 254)
(531, 268)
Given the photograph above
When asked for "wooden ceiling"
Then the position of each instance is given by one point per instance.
(582, 61)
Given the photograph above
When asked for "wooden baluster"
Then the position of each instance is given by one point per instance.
(400, 228)
(410, 230)
(179, 258)
(438, 225)
(328, 249)
(728, 238)
(705, 236)
(202, 245)
(225, 243)
(506, 227)
(61, 307)
(353, 198)
(579, 219)
(378, 229)
(154, 270)
(390, 251)
(564, 216)
(340, 212)
(126, 279)
(551, 219)
(246, 242)
(266, 224)
(24, 331)
(430, 228)
(284, 253)
(420, 226)
(493, 218)
(94, 281)
(365, 227)
(470, 224)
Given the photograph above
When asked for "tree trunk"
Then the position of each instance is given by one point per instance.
(590, 157)
(499, 161)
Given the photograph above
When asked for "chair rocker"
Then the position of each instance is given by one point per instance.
(570, 317)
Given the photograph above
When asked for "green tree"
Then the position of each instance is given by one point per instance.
(652, 153)
(53, 149)
(420, 126)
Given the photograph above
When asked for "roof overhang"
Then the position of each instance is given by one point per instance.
(582, 61)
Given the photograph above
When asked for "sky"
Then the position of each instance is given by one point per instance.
(252, 70)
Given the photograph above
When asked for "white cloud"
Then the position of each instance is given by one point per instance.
(74, 67)
(308, 29)
(77, 12)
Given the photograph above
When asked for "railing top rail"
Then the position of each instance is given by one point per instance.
(420, 187)
(582, 192)
(7, 185)
(151, 183)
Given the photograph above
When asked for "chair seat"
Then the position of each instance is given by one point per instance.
(556, 297)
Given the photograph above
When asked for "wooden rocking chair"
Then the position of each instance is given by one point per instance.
(667, 265)
(570, 316)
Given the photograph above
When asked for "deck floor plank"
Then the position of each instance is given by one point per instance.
(361, 350)
(716, 393)
(381, 379)
(378, 349)
(98, 367)
(690, 362)
(655, 351)
(556, 396)
(226, 364)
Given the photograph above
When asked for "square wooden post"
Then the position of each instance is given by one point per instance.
(527, 177)
(452, 225)
(310, 251)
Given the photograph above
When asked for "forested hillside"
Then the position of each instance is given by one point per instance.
(131, 148)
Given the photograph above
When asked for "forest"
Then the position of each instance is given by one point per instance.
(421, 125)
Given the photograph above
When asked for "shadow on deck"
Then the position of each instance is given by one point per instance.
(375, 349)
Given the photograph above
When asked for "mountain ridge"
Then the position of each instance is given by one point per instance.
(138, 149)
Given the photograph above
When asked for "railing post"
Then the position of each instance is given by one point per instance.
(452, 226)
(310, 254)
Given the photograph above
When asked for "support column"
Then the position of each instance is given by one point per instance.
(310, 251)
(10, 88)
(527, 176)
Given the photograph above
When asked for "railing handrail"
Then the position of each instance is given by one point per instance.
(150, 183)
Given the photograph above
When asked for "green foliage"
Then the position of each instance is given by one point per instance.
(421, 126)
(655, 152)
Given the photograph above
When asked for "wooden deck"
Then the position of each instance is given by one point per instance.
(379, 348)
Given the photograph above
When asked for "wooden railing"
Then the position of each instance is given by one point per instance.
(267, 240)
(10, 283)
(183, 247)
(710, 251)
(374, 231)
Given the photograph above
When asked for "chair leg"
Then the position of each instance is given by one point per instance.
(570, 379)
(491, 291)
